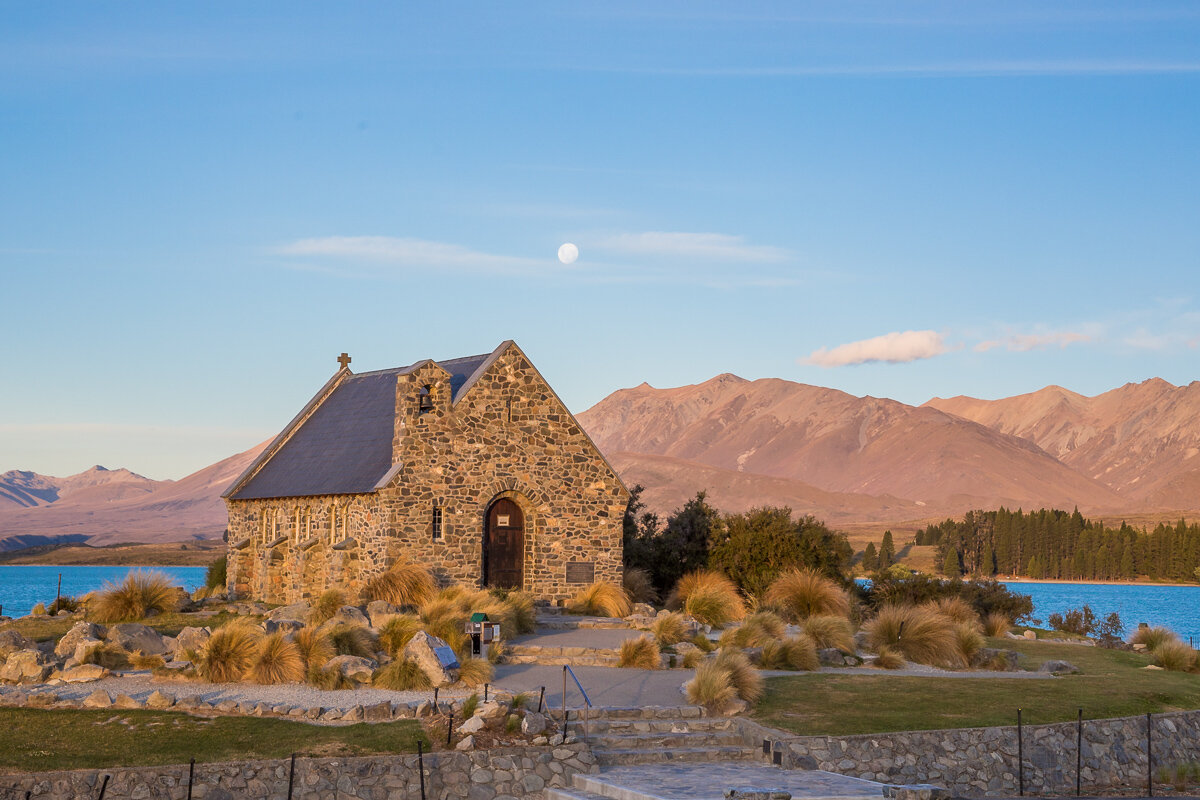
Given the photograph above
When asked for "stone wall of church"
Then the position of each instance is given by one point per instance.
(509, 436)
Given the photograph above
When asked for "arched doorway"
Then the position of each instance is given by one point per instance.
(504, 545)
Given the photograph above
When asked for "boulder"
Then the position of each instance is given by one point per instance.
(379, 712)
(473, 725)
(1029, 634)
(466, 744)
(995, 659)
(492, 710)
(1058, 667)
(26, 666)
(348, 615)
(533, 723)
(353, 667)
(189, 638)
(380, 611)
(11, 640)
(80, 632)
(180, 600)
(134, 636)
(125, 701)
(84, 673)
(435, 658)
(284, 626)
(98, 699)
(159, 700)
(831, 657)
(294, 611)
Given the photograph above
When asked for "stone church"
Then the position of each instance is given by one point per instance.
(472, 467)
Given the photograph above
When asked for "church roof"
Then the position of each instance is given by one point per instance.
(341, 442)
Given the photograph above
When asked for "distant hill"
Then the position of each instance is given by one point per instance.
(102, 506)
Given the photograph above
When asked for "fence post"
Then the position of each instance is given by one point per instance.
(1020, 758)
(485, 693)
(421, 765)
(103, 787)
(292, 776)
(435, 702)
(564, 719)
(1149, 758)
(191, 774)
(1079, 755)
(450, 727)
(58, 593)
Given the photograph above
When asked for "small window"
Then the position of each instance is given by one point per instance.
(424, 400)
(437, 522)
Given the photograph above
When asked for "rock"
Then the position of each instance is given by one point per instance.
(754, 793)
(1152, 667)
(1139, 647)
(1030, 634)
(1058, 667)
(180, 599)
(98, 699)
(125, 701)
(134, 636)
(538, 741)
(348, 615)
(754, 654)
(26, 666)
(80, 632)
(533, 723)
(190, 638)
(466, 744)
(354, 714)
(916, 791)
(159, 700)
(556, 740)
(995, 659)
(831, 657)
(379, 712)
(380, 611)
(683, 648)
(284, 626)
(735, 707)
(11, 640)
(435, 658)
(473, 725)
(84, 673)
(643, 610)
(294, 611)
(492, 710)
(353, 667)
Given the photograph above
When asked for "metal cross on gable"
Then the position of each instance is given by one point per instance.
(344, 360)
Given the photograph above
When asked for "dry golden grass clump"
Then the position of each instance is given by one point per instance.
(325, 607)
(996, 624)
(703, 642)
(601, 600)
(637, 584)
(523, 616)
(640, 653)
(692, 659)
(954, 608)
(921, 635)
(708, 597)
(889, 658)
(353, 640)
(133, 598)
(795, 652)
(277, 661)
(140, 660)
(670, 629)
(446, 614)
(403, 584)
(328, 678)
(109, 655)
(755, 631)
(474, 672)
(711, 687)
(801, 593)
(742, 675)
(1174, 655)
(827, 630)
(1153, 638)
(397, 632)
(314, 647)
(402, 675)
(968, 640)
(229, 652)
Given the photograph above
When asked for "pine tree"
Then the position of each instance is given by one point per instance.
(887, 551)
(951, 566)
(870, 559)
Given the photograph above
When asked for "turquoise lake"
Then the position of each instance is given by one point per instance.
(1175, 607)
(23, 587)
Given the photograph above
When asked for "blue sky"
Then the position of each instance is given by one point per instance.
(202, 204)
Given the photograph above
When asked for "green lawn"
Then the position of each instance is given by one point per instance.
(33, 740)
(1112, 684)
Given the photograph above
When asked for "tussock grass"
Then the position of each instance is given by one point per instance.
(140, 593)
(755, 631)
(397, 632)
(277, 661)
(353, 640)
(229, 653)
(474, 672)
(703, 642)
(921, 635)
(801, 593)
(402, 675)
(670, 629)
(39, 610)
(795, 652)
(996, 624)
(523, 618)
(63, 603)
(601, 600)
(711, 687)
(403, 584)
(968, 640)
(742, 674)
(1174, 655)
(637, 584)
(889, 658)
(140, 660)
(954, 608)
(692, 659)
(314, 647)
(325, 606)
(640, 653)
(827, 630)
(709, 597)
(1153, 638)
(445, 614)
(108, 655)
(328, 678)
(469, 706)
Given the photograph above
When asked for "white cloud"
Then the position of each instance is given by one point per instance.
(711, 246)
(894, 348)
(409, 253)
(1022, 343)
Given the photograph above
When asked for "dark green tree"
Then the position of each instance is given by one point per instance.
(755, 547)
(951, 567)
(870, 559)
(887, 551)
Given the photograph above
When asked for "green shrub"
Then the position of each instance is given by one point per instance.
(215, 576)
(638, 584)
(106, 654)
(1174, 655)
(63, 603)
(314, 647)
(469, 706)
(329, 678)
(969, 641)
(708, 597)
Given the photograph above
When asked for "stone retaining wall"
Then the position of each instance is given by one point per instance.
(483, 775)
(974, 761)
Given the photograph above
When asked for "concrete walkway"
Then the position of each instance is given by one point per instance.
(709, 781)
(601, 638)
(606, 686)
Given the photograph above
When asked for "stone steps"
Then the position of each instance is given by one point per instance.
(572, 794)
(709, 781)
(664, 741)
(701, 754)
(650, 727)
(558, 656)
(561, 622)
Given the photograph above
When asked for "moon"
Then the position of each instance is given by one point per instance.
(568, 253)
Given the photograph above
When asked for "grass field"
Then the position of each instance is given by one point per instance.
(33, 740)
(1112, 684)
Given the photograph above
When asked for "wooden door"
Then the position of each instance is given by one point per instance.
(504, 545)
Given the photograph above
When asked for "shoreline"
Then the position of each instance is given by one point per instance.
(1096, 583)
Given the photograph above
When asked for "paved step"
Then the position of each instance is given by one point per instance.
(658, 741)
(646, 712)
(651, 726)
(692, 781)
(571, 794)
(558, 656)
(705, 754)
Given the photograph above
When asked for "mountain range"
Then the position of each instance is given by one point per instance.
(823, 452)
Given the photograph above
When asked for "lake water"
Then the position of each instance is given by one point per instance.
(22, 586)
(1175, 607)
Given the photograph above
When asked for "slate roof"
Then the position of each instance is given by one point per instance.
(345, 445)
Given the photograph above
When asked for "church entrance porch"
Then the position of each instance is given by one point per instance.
(504, 545)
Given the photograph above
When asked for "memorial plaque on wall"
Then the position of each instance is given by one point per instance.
(581, 572)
